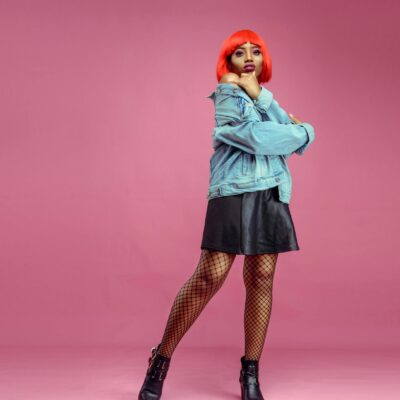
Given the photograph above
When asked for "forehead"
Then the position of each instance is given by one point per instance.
(247, 45)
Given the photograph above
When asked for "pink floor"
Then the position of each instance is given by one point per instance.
(117, 373)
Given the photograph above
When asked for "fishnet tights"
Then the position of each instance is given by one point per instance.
(194, 295)
(258, 275)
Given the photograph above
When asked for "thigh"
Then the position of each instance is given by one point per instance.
(214, 264)
(260, 265)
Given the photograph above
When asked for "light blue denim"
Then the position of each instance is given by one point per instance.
(252, 139)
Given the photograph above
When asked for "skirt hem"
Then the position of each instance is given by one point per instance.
(263, 251)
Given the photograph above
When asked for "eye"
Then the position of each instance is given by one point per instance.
(257, 51)
(238, 53)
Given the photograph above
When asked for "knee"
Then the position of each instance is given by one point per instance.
(205, 285)
(259, 278)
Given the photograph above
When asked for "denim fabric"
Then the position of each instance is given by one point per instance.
(252, 139)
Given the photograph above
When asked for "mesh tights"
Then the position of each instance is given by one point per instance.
(258, 275)
(194, 295)
(207, 279)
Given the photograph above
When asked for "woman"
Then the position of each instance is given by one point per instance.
(248, 206)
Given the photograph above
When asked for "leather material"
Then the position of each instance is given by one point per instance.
(249, 383)
(155, 376)
(249, 223)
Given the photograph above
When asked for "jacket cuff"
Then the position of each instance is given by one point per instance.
(310, 132)
(264, 99)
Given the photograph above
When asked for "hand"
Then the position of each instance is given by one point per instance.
(294, 119)
(248, 81)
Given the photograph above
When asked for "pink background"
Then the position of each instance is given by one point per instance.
(104, 149)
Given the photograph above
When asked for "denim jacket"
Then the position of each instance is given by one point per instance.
(252, 139)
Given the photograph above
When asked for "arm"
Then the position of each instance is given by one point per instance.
(253, 136)
(264, 102)
(265, 137)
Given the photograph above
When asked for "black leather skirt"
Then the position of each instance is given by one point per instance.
(249, 223)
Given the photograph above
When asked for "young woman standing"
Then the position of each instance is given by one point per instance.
(248, 207)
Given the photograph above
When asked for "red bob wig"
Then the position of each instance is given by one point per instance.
(236, 39)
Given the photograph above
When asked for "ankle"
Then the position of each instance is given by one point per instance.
(251, 359)
(160, 350)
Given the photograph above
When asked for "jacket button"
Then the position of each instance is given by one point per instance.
(277, 179)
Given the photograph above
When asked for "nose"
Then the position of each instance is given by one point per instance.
(248, 55)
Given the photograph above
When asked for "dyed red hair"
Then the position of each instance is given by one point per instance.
(236, 39)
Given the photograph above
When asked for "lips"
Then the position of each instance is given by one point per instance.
(249, 67)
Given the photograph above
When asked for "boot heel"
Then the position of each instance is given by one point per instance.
(241, 391)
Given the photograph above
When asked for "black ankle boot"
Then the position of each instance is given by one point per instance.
(155, 375)
(248, 379)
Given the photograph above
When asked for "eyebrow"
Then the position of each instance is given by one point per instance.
(242, 47)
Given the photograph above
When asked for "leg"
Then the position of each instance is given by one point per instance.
(258, 275)
(194, 295)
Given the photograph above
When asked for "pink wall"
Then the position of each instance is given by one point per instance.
(105, 141)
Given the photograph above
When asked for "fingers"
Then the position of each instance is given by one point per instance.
(252, 73)
(294, 118)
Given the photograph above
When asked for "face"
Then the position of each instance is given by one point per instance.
(245, 54)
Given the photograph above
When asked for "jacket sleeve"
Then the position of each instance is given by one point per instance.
(236, 127)
(265, 103)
